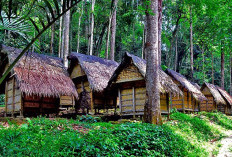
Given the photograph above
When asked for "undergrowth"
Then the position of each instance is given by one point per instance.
(88, 136)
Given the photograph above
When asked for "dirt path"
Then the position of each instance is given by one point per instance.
(226, 149)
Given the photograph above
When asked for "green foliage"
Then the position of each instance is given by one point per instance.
(194, 124)
(44, 137)
(219, 118)
(2, 100)
(89, 119)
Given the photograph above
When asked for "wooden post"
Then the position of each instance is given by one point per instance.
(120, 99)
(188, 100)
(133, 101)
(171, 100)
(6, 97)
(183, 101)
(168, 106)
(92, 105)
(21, 111)
(13, 98)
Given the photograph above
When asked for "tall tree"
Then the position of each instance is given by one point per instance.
(152, 106)
(191, 43)
(79, 28)
(60, 49)
(66, 37)
(52, 39)
(222, 65)
(113, 30)
(212, 75)
(160, 29)
(91, 28)
(230, 72)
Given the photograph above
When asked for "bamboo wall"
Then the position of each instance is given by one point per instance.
(67, 101)
(12, 97)
(16, 103)
(185, 103)
(98, 100)
(208, 105)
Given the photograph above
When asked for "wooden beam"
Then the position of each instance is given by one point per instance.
(171, 100)
(168, 106)
(6, 97)
(133, 91)
(91, 100)
(13, 97)
(183, 101)
(120, 98)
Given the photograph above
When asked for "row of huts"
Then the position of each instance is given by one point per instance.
(40, 84)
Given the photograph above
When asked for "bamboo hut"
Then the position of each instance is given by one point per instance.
(192, 95)
(228, 98)
(215, 99)
(38, 84)
(91, 74)
(129, 80)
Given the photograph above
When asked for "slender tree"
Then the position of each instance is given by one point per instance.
(52, 39)
(160, 29)
(152, 106)
(79, 27)
(91, 28)
(222, 65)
(60, 49)
(191, 43)
(113, 30)
(66, 37)
(212, 75)
(176, 56)
(230, 72)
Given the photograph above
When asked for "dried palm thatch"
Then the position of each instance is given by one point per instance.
(41, 75)
(215, 92)
(225, 95)
(97, 70)
(166, 83)
(193, 89)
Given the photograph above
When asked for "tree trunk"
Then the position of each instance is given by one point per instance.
(152, 112)
(113, 30)
(91, 29)
(52, 38)
(203, 64)
(222, 65)
(60, 34)
(144, 41)
(86, 24)
(79, 28)
(160, 30)
(191, 44)
(230, 72)
(212, 67)
(176, 56)
(66, 37)
(108, 38)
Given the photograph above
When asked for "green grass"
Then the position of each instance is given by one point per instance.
(2, 105)
(185, 135)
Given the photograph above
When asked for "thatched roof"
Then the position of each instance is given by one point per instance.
(225, 95)
(98, 70)
(41, 75)
(193, 89)
(214, 91)
(166, 83)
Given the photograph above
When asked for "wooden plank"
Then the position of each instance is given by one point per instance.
(126, 94)
(13, 102)
(171, 100)
(133, 90)
(127, 100)
(91, 103)
(183, 101)
(6, 97)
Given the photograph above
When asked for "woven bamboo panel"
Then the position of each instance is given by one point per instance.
(126, 97)
(51, 105)
(163, 105)
(18, 106)
(128, 74)
(221, 108)
(77, 72)
(9, 108)
(206, 91)
(177, 106)
(126, 91)
(139, 107)
(10, 100)
(66, 100)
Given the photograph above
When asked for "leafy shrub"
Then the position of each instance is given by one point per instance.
(219, 118)
(201, 128)
(44, 137)
(89, 119)
(2, 100)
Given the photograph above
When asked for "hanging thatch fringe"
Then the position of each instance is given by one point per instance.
(41, 75)
(98, 70)
(166, 83)
(197, 94)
